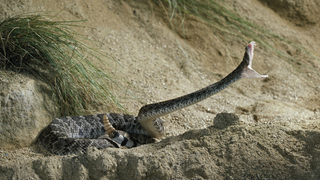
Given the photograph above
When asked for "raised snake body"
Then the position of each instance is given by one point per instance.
(67, 135)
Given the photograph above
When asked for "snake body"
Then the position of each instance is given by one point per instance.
(68, 135)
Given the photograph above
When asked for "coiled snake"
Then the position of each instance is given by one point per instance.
(68, 135)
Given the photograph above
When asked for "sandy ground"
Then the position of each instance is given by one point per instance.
(279, 115)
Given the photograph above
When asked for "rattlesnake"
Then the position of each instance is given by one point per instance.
(67, 135)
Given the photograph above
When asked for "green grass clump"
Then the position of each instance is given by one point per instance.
(54, 53)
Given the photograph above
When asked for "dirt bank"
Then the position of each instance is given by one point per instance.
(276, 136)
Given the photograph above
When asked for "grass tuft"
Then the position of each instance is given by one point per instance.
(54, 53)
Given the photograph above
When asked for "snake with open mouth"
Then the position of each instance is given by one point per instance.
(68, 135)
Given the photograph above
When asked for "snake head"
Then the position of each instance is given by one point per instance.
(248, 72)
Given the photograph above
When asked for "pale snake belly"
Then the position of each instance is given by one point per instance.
(67, 135)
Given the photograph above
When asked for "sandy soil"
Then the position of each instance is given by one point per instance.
(277, 136)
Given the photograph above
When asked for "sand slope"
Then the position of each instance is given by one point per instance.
(276, 136)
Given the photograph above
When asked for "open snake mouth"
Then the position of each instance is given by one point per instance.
(248, 72)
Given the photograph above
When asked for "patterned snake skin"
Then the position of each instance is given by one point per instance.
(67, 135)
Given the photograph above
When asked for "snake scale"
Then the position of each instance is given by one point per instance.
(68, 135)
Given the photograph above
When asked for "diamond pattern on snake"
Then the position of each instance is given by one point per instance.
(68, 135)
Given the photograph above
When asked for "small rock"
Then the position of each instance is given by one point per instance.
(223, 120)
